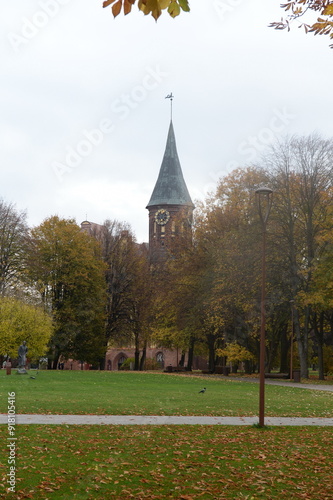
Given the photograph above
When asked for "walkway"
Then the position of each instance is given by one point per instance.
(160, 420)
(285, 383)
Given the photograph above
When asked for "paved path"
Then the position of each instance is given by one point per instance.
(160, 420)
(286, 383)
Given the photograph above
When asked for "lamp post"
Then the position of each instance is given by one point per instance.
(264, 199)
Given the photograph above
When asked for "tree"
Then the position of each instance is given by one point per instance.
(153, 7)
(179, 300)
(319, 297)
(301, 176)
(65, 266)
(304, 8)
(211, 288)
(13, 231)
(228, 230)
(19, 322)
(128, 287)
(235, 353)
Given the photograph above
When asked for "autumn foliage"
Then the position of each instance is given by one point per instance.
(153, 7)
(183, 463)
(299, 9)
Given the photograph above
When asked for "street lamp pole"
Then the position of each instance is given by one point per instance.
(264, 198)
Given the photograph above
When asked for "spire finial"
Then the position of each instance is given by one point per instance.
(170, 96)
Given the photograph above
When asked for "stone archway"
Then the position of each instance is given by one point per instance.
(119, 360)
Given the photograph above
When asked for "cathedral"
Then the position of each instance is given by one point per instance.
(170, 220)
(170, 205)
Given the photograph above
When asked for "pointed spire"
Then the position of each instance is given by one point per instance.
(170, 187)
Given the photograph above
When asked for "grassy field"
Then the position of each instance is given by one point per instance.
(171, 462)
(129, 393)
(164, 462)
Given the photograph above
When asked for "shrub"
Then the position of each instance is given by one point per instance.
(151, 364)
(127, 364)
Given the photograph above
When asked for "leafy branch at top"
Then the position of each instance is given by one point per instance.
(298, 9)
(153, 7)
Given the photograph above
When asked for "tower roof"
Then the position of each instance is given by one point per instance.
(170, 187)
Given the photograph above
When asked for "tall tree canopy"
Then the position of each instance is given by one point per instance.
(128, 286)
(19, 322)
(13, 232)
(66, 267)
(211, 293)
(301, 174)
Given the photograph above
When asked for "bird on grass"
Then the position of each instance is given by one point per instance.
(34, 377)
(202, 390)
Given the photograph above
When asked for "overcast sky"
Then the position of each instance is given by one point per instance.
(84, 118)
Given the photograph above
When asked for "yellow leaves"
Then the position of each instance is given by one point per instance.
(300, 8)
(328, 10)
(153, 7)
(20, 321)
(174, 9)
(235, 353)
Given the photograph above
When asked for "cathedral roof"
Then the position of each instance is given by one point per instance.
(170, 187)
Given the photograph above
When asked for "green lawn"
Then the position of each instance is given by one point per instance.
(131, 393)
(171, 462)
(164, 462)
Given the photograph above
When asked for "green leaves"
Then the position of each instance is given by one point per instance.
(66, 266)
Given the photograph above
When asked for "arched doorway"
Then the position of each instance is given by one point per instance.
(119, 360)
(160, 359)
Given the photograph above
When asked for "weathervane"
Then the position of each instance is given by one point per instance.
(170, 96)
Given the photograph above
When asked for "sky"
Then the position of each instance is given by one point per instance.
(84, 116)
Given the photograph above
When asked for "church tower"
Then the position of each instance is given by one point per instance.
(170, 206)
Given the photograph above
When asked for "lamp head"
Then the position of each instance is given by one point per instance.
(264, 203)
(264, 191)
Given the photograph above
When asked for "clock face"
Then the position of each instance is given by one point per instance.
(162, 216)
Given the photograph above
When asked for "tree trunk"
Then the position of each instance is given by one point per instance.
(211, 351)
(284, 349)
(248, 366)
(143, 357)
(137, 350)
(319, 332)
(190, 355)
(56, 356)
(136, 359)
(302, 341)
